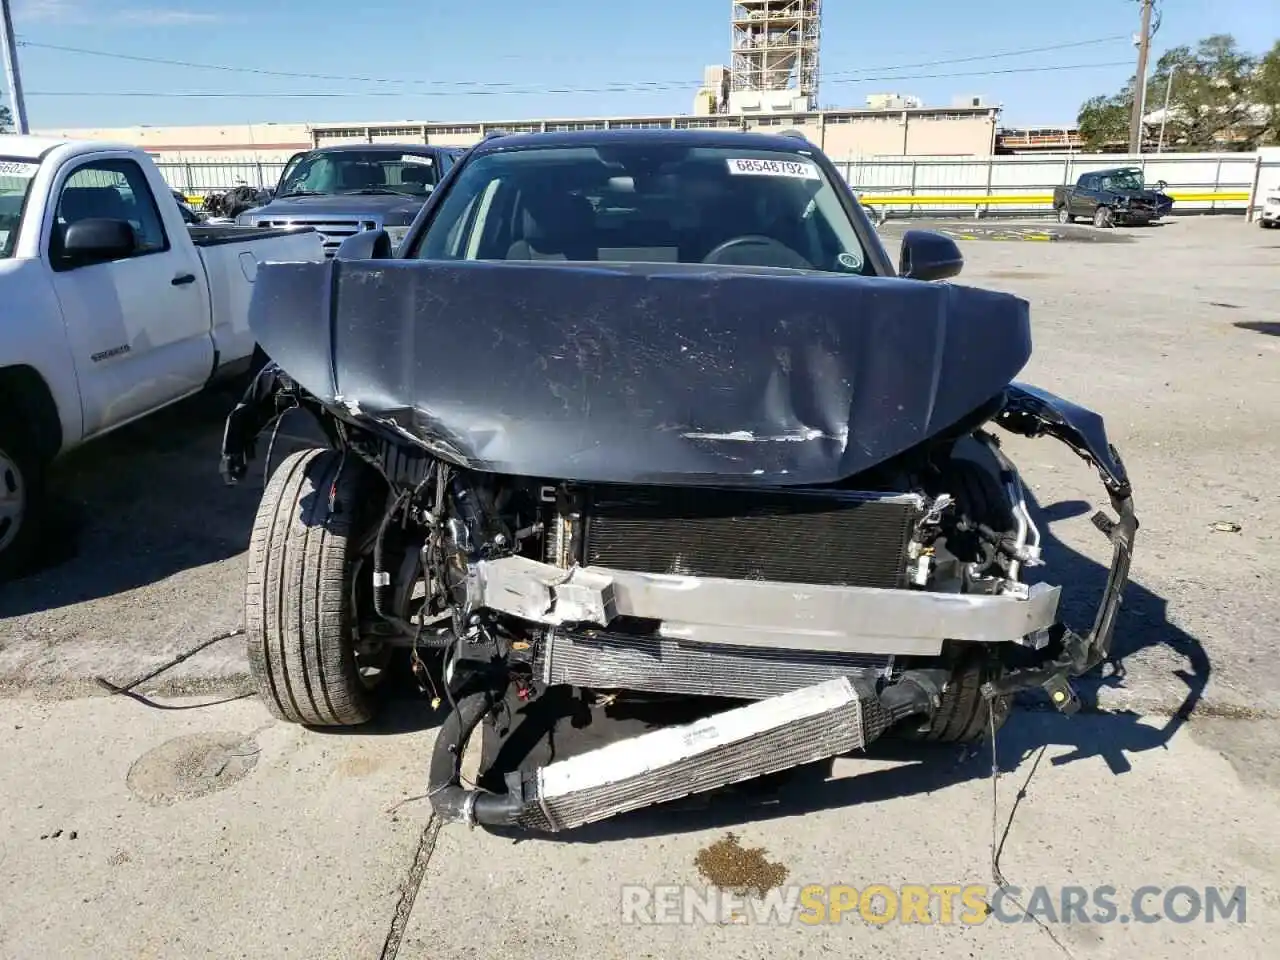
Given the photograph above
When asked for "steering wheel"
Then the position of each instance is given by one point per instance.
(779, 253)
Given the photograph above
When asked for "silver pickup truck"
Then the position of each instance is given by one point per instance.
(341, 190)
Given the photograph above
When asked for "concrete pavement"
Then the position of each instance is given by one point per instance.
(210, 831)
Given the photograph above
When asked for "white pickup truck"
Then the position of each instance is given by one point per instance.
(111, 306)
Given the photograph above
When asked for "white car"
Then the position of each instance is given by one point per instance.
(1269, 216)
(111, 306)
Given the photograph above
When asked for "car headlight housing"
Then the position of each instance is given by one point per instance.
(397, 234)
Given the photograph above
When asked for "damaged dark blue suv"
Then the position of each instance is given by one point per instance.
(648, 421)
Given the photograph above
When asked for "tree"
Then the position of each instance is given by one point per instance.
(6, 119)
(1266, 93)
(1104, 121)
(1220, 97)
(1210, 98)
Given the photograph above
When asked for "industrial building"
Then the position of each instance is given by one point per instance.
(962, 130)
(770, 82)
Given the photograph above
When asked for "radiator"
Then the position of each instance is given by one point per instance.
(836, 538)
(610, 659)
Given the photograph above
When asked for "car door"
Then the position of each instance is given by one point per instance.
(1089, 196)
(138, 327)
(1077, 201)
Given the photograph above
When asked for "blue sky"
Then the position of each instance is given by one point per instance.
(430, 59)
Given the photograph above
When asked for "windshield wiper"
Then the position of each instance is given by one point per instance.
(370, 191)
(302, 193)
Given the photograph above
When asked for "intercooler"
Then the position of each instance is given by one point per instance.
(829, 537)
(804, 726)
(606, 659)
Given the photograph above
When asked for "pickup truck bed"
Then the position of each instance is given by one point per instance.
(210, 235)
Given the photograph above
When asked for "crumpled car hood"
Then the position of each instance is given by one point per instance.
(649, 373)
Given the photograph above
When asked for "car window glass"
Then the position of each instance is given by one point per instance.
(411, 172)
(16, 177)
(648, 203)
(112, 190)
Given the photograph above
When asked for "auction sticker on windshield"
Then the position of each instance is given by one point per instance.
(415, 158)
(797, 169)
(17, 168)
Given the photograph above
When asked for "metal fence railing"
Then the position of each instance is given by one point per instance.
(1023, 184)
(1020, 184)
(198, 178)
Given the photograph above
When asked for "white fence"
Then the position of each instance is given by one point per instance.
(198, 178)
(1022, 184)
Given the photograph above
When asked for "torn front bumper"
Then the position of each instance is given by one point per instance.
(1032, 412)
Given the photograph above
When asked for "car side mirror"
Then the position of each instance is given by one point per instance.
(366, 245)
(928, 255)
(96, 240)
(1161, 185)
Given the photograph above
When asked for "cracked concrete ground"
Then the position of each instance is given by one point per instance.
(214, 832)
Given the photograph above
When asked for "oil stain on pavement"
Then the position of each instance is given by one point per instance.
(731, 867)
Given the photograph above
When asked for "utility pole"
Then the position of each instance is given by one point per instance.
(1140, 94)
(9, 44)
(1164, 117)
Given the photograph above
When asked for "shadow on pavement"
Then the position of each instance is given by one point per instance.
(1050, 231)
(140, 505)
(1268, 327)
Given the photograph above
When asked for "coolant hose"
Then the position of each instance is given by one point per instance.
(449, 799)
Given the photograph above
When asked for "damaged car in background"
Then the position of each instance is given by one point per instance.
(649, 420)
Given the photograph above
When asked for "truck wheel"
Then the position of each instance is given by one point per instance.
(21, 498)
(1064, 216)
(300, 608)
(1104, 217)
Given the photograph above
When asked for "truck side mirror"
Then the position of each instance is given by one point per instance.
(366, 245)
(929, 255)
(98, 240)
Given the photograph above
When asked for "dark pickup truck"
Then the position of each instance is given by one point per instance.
(1110, 197)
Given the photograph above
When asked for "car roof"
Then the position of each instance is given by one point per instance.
(695, 138)
(26, 147)
(383, 148)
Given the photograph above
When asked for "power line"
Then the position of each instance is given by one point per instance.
(989, 56)
(638, 85)
(348, 94)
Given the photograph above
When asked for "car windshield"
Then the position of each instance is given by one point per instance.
(338, 172)
(16, 177)
(646, 203)
(1123, 180)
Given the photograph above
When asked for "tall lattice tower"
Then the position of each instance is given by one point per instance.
(775, 46)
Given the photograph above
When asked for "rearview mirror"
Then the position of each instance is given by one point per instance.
(98, 240)
(366, 245)
(928, 255)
